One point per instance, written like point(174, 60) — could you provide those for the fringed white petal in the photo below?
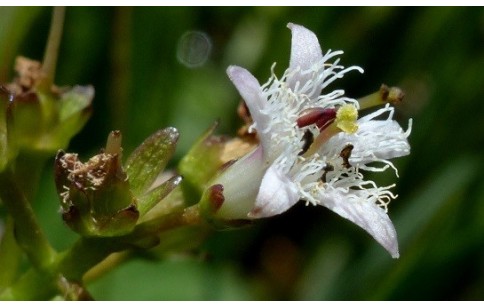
point(251, 91)
point(305, 53)
point(380, 139)
point(276, 195)
point(375, 140)
point(365, 214)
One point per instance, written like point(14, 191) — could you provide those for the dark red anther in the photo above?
point(318, 116)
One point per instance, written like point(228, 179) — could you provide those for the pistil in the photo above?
point(385, 95)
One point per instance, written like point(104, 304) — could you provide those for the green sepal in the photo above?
point(150, 159)
point(40, 122)
point(200, 164)
point(147, 201)
point(75, 110)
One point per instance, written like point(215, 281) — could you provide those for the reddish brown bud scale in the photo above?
point(216, 196)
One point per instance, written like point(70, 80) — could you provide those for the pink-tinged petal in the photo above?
point(276, 195)
point(305, 52)
point(365, 214)
point(250, 90)
point(241, 182)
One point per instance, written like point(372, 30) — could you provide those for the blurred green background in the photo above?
point(158, 67)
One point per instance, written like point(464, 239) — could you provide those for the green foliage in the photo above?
point(434, 54)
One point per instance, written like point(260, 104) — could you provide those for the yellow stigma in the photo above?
point(346, 117)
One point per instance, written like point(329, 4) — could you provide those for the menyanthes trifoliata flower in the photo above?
point(313, 146)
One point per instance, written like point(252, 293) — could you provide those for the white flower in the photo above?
point(312, 145)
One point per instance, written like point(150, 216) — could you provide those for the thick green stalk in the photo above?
point(28, 170)
point(10, 256)
point(33, 285)
point(28, 233)
point(67, 269)
point(70, 267)
point(85, 254)
point(105, 266)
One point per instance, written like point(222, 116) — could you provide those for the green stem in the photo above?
point(121, 72)
point(70, 267)
point(28, 233)
point(28, 169)
point(105, 266)
point(33, 285)
point(10, 256)
point(85, 254)
point(179, 218)
point(66, 272)
point(52, 48)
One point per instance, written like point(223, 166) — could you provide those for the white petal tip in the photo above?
point(233, 69)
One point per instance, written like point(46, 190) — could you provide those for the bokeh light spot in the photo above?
point(194, 48)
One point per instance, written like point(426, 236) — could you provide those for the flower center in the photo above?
point(329, 121)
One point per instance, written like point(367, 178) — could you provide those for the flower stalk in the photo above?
point(10, 255)
point(29, 235)
point(52, 49)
